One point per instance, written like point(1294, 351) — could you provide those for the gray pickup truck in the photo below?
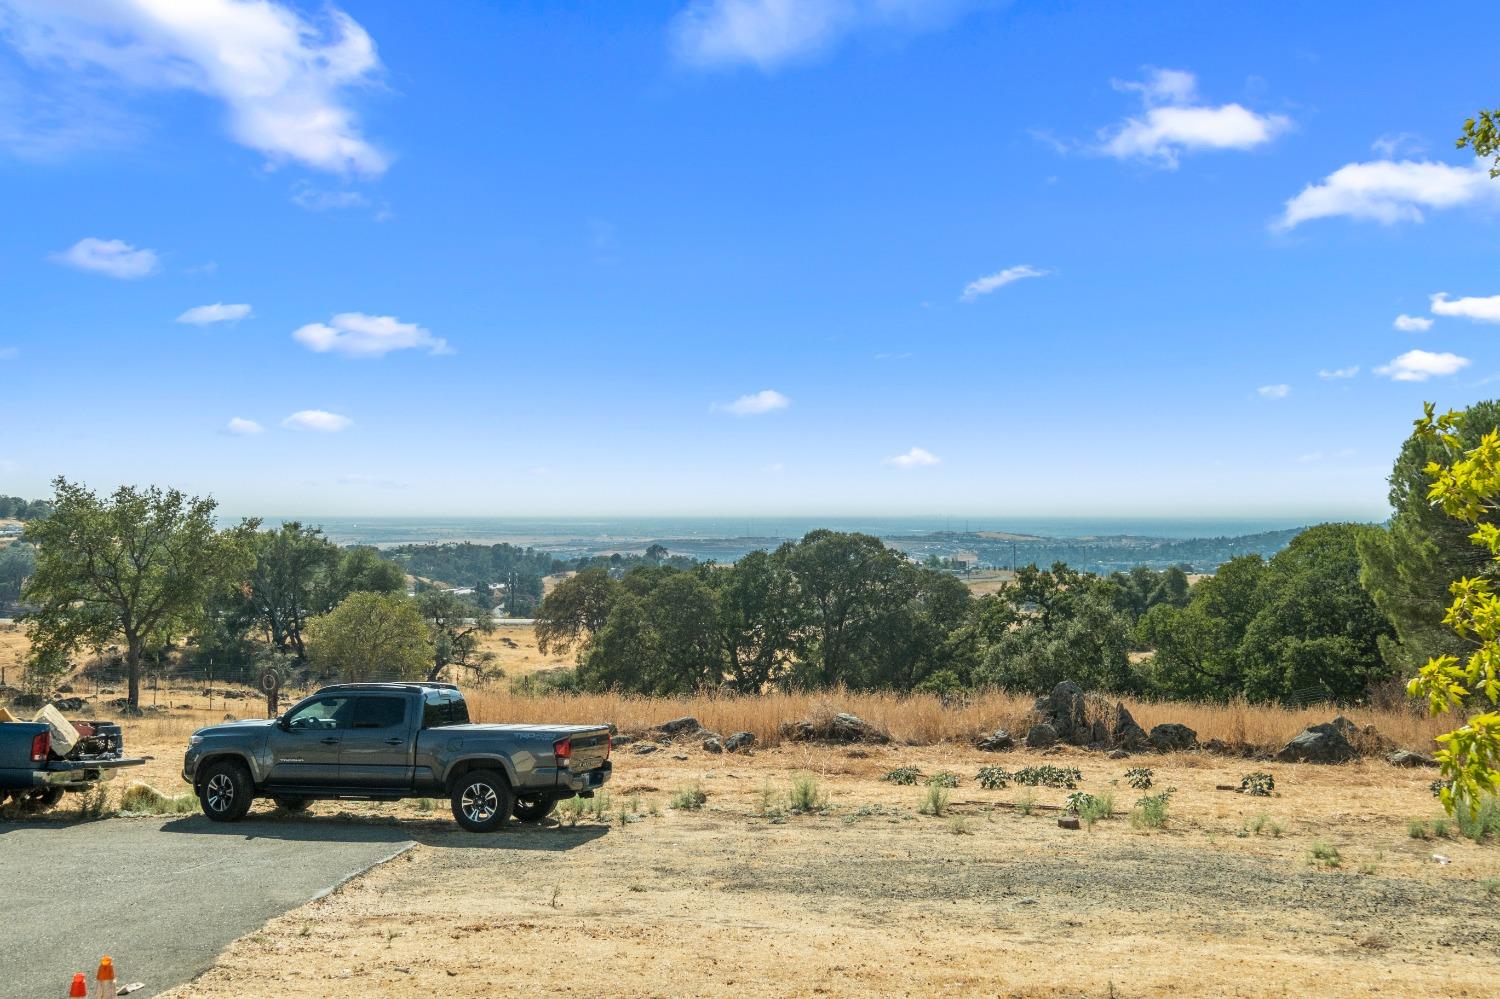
point(36, 775)
point(387, 741)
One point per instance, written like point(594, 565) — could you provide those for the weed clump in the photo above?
point(1049, 776)
point(903, 776)
point(1140, 778)
point(143, 799)
point(689, 799)
point(934, 802)
point(807, 795)
point(1091, 808)
point(1263, 825)
point(1258, 785)
point(993, 778)
point(1328, 856)
point(1481, 823)
point(1150, 812)
point(943, 779)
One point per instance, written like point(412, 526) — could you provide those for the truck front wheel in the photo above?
point(226, 791)
point(481, 801)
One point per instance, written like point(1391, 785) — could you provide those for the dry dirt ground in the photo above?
point(869, 897)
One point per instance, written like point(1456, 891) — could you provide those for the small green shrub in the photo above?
point(935, 801)
point(573, 810)
point(903, 775)
point(689, 799)
point(1049, 776)
point(1026, 802)
point(1416, 829)
point(93, 803)
point(1491, 887)
point(1436, 787)
point(1258, 785)
point(959, 826)
point(425, 804)
point(1150, 812)
point(1441, 829)
point(1091, 808)
point(943, 779)
point(143, 799)
point(1263, 825)
point(1140, 778)
point(807, 795)
point(1479, 825)
point(1328, 856)
point(993, 778)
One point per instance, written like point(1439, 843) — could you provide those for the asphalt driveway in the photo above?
point(160, 896)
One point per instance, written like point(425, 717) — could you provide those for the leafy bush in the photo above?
point(1140, 778)
point(143, 799)
point(935, 801)
point(1049, 776)
point(943, 779)
point(1091, 808)
point(1416, 829)
point(903, 775)
point(1258, 784)
point(1328, 856)
point(1479, 825)
point(689, 799)
point(807, 795)
point(1150, 812)
point(993, 778)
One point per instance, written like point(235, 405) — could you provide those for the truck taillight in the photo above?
point(563, 749)
point(41, 745)
point(609, 743)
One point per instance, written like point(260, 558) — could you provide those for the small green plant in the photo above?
point(903, 775)
point(1441, 829)
point(143, 799)
point(1026, 802)
point(1491, 887)
point(425, 804)
point(689, 799)
point(1481, 824)
point(1436, 787)
point(1416, 829)
point(1049, 776)
point(624, 814)
point(1263, 825)
point(94, 802)
point(943, 779)
point(993, 778)
point(768, 807)
point(1090, 808)
point(1328, 856)
point(935, 801)
point(806, 795)
point(600, 806)
point(1258, 785)
point(1140, 778)
point(1150, 812)
point(959, 826)
point(573, 810)
point(1368, 870)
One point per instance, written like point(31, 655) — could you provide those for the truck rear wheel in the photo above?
point(534, 807)
point(38, 799)
point(481, 800)
point(226, 791)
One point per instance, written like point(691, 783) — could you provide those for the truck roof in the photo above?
point(414, 686)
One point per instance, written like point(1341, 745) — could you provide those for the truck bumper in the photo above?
point(588, 780)
point(76, 775)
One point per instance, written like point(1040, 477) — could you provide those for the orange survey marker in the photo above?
point(80, 986)
point(104, 979)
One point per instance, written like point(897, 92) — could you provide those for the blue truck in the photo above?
point(34, 775)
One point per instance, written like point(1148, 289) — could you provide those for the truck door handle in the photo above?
point(330, 742)
point(394, 742)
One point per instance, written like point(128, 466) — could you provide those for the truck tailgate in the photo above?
point(590, 750)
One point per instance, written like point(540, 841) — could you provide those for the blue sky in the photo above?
point(740, 256)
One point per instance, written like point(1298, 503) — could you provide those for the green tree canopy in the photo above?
point(137, 565)
point(576, 609)
point(454, 626)
point(371, 636)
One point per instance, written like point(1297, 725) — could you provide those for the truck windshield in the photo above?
point(440, 711)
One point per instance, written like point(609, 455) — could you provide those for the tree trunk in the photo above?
point(133, 646)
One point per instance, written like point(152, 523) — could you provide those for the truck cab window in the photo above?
point(321, 715)
point(379, 712)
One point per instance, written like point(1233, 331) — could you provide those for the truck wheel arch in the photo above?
point(498, 764)
point(209, 761)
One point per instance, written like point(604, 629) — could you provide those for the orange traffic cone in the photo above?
point(104, 979)
point(80, 986)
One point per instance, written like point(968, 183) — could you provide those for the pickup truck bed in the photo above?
point(36, 775)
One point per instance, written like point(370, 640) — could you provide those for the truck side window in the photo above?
point(321, 715)
point(439, 711)
point(379, 712)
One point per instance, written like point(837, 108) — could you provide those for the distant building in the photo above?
point(462, 591)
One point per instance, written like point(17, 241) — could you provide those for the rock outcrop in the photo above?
point(1325, 743)
point(1172, 737)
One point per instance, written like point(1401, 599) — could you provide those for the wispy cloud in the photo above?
point(999, 279)
point(114, 257)
point(238, 426)
point(1412, 324)
point(318, 420)
point(1420, 365)
point(915, 458)
point(755, 404)
point(316, 199)
point(899, 355)
point(355, 334)
point(767, 33)
point(1398, 144)
point(283, 79)
point(1348, 372)
point(1174, 121)
point(1480, 310)
point(207, 315)
point(1274, 391)
point(1390, 191)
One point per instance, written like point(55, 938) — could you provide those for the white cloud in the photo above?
point(915, 458)
point(1173, 123)
point(766, 33)
point(764, 401)
point(207, 315)
point(1412, 324)
point(1348, 372)
point(1420, 365)
point(1390, 191)
point(1274, 391)
point(999, 279)
point(1481, 310)
point(355, 334)
point(1398, 144)
point(114, 257)
point(282, 79)
point(317, 419)
point(240, 427)
point(318, 200)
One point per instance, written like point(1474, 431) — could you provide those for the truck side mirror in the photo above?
point(284, 723)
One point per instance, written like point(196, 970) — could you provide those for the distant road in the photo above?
point(160, 896)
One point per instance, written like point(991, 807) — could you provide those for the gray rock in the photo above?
point(1068, 822)
point(739, 742)
point(1118, 754)
point(1323, 743)
point(70, 704)
point(1410, 758)
point(65, 688)
point(842, 728)
point(678, 726)
point(24, 700)
point(1126, 734)
point(642, 748)
point(1041, 736)
point(1172, 737)
point(996, 742)
point(713, 744)
point(1066, 710)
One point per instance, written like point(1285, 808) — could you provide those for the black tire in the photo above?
point(481, 801)
point(533, 807)
point(226, 791)
point(38, 799)
point(292, 804)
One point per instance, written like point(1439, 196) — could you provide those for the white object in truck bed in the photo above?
point(64, 735)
